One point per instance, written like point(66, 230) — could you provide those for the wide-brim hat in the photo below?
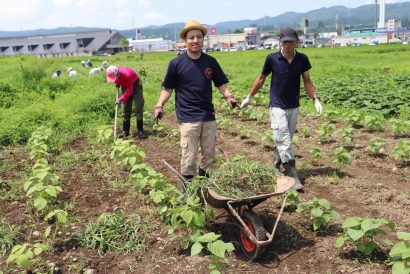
point(289, 35)
point(193, 24)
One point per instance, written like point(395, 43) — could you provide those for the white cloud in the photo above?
point(123, 2)
point(90, 3)
point(62, 3)
point(144, 3)
point(20, 9)
point(156, 17)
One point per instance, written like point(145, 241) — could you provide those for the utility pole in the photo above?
point(375, 21)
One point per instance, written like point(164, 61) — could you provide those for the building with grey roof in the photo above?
point(98, 42)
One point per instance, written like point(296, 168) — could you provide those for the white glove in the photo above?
point(318, 106)
point(246, 101)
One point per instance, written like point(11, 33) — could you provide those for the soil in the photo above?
point(375, 186)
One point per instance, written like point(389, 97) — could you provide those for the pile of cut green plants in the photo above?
point(240, 178)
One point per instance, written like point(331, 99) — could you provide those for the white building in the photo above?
point(393, 24)
point(59, 45)
point(157, 44)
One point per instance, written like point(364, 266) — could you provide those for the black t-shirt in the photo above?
point(285, 81)
point(192, 81)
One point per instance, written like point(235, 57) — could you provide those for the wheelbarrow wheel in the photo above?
point(251, 250)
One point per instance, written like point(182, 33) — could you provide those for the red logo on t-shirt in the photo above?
point(208, 73)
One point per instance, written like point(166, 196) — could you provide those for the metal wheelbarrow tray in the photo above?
point(253, 236)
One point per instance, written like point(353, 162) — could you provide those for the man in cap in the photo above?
point(191, 74)
point(132, 90)
point(286, 67)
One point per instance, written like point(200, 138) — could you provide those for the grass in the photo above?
point(30, 97)
point(115, 232)
point(240, 178)
point(8, 237)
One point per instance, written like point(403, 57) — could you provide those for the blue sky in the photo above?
point(126, 14)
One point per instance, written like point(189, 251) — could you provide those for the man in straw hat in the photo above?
point(286, 67)
point(191, 75)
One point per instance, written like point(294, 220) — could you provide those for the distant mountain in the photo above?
point(320, 20)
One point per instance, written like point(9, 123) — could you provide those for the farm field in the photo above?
point(108, 213)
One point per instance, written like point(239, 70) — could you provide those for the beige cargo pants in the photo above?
point(194, 136)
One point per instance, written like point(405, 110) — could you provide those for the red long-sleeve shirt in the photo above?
point(126, 79)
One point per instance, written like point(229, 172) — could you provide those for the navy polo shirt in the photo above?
point(192, 81)
point(285, 82)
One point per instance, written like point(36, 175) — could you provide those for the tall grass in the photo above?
point(30, 98)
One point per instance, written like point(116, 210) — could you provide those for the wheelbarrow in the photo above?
point(253, 236)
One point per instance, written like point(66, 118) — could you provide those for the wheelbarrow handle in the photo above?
point(249, 233)
point(182, 178)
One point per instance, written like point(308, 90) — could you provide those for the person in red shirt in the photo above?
point(132, 90)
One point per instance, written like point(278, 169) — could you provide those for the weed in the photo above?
point(8, 237)
point(115, 232)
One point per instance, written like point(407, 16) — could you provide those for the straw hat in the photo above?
point(193, 24)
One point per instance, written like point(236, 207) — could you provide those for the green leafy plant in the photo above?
point(216, 247)
point(376, 146)
point(355, 118)
point(244, 131)
point(332, 114)
point(325, 132)
point(26, 255)
point(321, 211)
point(293, 200)
point(37, 144)
point(348, 136)
point(360, 233)
point(306, 132)
point(317, 153)
point(127, 153)
point(374, 123)
point(142, 174)
point(43, 184)
point(59, 218)
point(399, 255)
point(400, 128)
point(268, 137)
point(402, 151)
point(105, 134)
point(341, 157)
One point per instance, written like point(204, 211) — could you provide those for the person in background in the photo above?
point(95, 71)
point(287, 66)
point(132, 90)
point(71, 72)
point(56, 74)
point(191, 74)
